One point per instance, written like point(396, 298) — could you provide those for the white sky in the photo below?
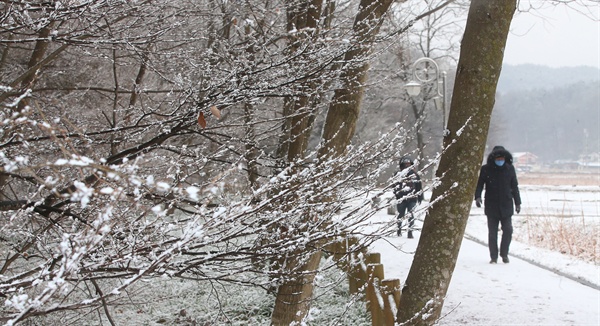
point(555, 36)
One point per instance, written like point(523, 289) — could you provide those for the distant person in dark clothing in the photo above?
point(408, 193)
point(499, 178)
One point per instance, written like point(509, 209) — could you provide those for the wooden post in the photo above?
point(347, 251)
point(347, 255)
point(375, 275)
point(373, 258)
point(339, 252)
point(358, 272)
point(390, 291)
point(353, 265)
point(357, 275)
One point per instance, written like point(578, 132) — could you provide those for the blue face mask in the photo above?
point(499, 162)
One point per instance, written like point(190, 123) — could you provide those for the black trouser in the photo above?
point(507, 231)
point(403, 208)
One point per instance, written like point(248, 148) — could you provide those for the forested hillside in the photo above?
point(529, 77)
point(551, 112)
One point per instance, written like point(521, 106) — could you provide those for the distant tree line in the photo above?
point(555, 117)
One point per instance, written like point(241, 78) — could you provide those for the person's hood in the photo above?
point(499, 151)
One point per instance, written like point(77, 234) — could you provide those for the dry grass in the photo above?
point(563, 231)
point(571, 236)
point(560, 179)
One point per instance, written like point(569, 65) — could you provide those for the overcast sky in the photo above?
point(554, 36)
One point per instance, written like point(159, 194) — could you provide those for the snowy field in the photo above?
point(539, 286)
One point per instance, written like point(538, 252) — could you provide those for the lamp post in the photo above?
point(422, 75)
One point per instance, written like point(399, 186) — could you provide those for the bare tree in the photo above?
point(168, 139)
point(294, 296)
point(130, 153)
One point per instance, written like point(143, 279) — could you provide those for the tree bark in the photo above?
point(303, 18)
point(295, 294)
point(344, 110)
point(39, 51)
point(472, 103)
point(251, 154)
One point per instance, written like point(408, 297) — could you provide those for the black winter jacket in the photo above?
point(409, 188)
point(501, 186)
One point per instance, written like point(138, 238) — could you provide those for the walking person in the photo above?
point(499, 179)
point(409, 193)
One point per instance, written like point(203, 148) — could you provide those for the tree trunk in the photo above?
point(38, 53)
point(251, 153)
point(344, 110)
point(294, 295)
point(303, 17)
point(472, 103)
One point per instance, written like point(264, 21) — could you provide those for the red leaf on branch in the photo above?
point(201, 120)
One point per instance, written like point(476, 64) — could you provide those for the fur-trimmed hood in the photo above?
point(498, 151)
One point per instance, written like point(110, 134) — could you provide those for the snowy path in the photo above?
point(553, 269)
point(517, 293)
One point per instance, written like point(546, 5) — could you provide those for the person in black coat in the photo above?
point(499, 178)
point(408, 192)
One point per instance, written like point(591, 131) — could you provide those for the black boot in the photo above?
point(410, 236)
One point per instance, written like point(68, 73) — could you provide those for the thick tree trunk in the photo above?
point(344, 110)
point(295, 294)
point(303, 17)
point(472, 103)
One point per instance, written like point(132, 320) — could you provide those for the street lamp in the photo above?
point(422, 74)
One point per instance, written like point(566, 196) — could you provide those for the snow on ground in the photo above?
point(537, 287)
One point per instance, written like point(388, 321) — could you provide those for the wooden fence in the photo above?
point(366, 278)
